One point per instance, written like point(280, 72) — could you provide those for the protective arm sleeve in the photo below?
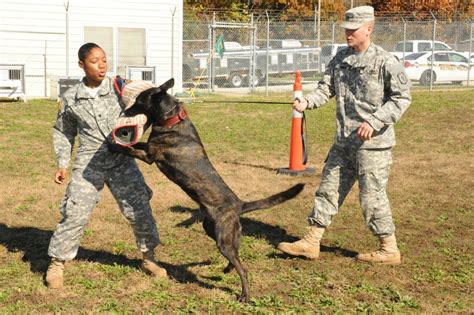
point(397, 96)
point(64, 133)
point(325, 89)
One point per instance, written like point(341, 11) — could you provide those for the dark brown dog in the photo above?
point(174, 145)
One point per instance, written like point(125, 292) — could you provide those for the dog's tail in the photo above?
point(272, 200)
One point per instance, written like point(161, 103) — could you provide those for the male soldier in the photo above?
point(91, 109)
point(372, 93)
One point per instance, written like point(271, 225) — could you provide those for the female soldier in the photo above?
point(90, 109)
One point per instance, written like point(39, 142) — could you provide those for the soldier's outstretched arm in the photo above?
point(325, 89)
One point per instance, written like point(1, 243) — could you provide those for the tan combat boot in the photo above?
point(308, 246)
point(387, 254)
point(54, 275)
point(150, 267)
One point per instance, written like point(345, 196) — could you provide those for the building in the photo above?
point(40, 39)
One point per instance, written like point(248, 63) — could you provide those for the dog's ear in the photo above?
point(154, 91)
point(167, 85)
point(145, 96)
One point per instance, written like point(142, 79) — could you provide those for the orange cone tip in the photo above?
point(297, 86)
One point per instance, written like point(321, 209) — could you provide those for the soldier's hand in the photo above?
point(60, 176)
point(365, 131)
point(300, 104)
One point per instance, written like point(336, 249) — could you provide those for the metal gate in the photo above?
point(239, 70)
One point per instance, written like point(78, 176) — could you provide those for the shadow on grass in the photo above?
point(251, 227)
point(34, 242)
point(264, 167)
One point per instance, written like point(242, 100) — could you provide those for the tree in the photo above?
point(330, 9)
point(287, 9)
point(422, 8)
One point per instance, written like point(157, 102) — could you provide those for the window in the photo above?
point(408, 47)
point(457, 58)
point(441, 57)
point(424, 46)
point(131, 47)
point(439, 46)
point(104, 37)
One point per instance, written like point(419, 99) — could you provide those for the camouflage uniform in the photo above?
point(93, 119)
point(371, 87)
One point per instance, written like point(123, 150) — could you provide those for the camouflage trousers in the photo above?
point(343, 167)
point(129, 189)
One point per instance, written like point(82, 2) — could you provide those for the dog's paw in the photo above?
point(229, 268)
point(243, 298)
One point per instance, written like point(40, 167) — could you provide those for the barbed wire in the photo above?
point(273, 14)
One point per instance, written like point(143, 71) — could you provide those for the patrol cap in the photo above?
point(358, 16)
point(131, 91)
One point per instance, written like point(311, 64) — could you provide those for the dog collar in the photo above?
point(176, 119)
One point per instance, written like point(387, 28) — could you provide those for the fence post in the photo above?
point(209, 59)
point(66, 7)
point(319, 23)
point(432, 50)
point(333, 31)
point(45, 56)
point(268, 53)
point(456, 27)
point(469, 66)
point(315, 19)
point(213, 37)
point(172, 42)
point(253, 62)
point(404, 38)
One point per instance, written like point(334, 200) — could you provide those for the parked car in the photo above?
point(413, 46)
point(448, 66)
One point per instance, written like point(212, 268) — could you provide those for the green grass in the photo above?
point(430, 191)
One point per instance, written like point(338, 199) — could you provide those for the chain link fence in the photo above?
point(262, 53)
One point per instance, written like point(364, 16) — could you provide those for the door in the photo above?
point(442, 67)
point(460, 66)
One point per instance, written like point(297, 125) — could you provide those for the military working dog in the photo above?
point(174, 145)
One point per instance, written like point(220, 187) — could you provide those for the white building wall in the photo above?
point(33, 33)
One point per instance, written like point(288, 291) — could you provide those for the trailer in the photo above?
point(234, 66)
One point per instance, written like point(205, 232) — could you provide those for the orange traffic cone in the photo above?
point(297, 145)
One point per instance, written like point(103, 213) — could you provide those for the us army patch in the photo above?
point(402, 78)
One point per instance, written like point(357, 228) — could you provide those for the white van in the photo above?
point(413, 46)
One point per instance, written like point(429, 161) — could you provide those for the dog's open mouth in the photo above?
point(128, 130)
